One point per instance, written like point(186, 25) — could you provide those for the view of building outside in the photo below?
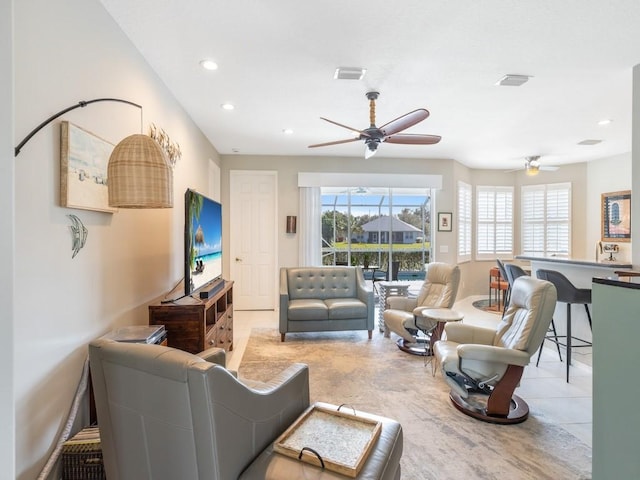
point(371, 227)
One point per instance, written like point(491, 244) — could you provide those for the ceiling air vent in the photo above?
point(513, 80)
point(589, 142)
point(349, 73)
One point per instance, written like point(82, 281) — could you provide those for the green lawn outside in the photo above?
point(378, 247)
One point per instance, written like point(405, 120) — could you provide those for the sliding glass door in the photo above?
point(373, 227)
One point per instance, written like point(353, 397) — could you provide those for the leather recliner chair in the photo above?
point(484, 366)
point(403, 316)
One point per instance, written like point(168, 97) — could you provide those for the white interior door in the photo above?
point(253, 238)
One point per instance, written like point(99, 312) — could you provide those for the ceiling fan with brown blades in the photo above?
point(532, 166)
point(389, 132)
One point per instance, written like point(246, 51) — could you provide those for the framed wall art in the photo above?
point(83, 169)
point(444, 221)
point(616, 216)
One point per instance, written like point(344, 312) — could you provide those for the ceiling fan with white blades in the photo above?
point(389, 132)
point(532, 166)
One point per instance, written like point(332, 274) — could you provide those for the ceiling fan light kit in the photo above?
point(389, 132)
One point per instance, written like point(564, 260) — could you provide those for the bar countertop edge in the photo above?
point(616, 283)
point(569, 261)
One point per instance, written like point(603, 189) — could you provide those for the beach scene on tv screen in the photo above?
point(207, 244)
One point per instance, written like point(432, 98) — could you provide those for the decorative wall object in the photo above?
point(172, 149)
point(444, 221)
point(79, 232)
point(83, 169)
point(616, 216)
point(140, 175)
point(292, 220)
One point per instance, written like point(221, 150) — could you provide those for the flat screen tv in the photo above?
point(202, 241)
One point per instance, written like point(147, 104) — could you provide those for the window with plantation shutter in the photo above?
point(546, 220)
point(494, 222)
point(464, 222)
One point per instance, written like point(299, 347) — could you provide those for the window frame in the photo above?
point(494, 225)
point(554, 220)
point(464, 222)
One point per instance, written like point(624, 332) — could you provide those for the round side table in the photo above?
point(441, 316)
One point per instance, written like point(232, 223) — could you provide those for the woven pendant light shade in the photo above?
point(139, 175)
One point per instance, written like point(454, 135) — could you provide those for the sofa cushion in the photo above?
point(308, 309)
point(321, 282)
point(346, 308)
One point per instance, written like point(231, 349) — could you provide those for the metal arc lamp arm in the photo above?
point(81, 103)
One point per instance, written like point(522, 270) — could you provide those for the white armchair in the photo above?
point(484, 366)
point(403, 315)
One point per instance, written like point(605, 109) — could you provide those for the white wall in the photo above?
point(635, 161)
point(474, 275)
point(7, 410)
point(288, 168)
point(67, 51)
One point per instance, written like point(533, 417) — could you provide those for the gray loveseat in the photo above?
point(317, 299)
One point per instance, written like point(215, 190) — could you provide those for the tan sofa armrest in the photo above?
point(459, 332)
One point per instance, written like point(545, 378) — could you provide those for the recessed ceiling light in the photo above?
point(511, 80)
point(589, 142)
point(287, 131)
point(208, 64)
point(227, 106)
point(349, 73)
point(604, 121)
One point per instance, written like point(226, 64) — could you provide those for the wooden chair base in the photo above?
point(475, 406)
point(420, 347)
point(500, 405)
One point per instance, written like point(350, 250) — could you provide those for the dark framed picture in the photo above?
point(444, 221)
point(616, 216)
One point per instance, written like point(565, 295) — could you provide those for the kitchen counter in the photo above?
point(581, 273)
point(570, 261)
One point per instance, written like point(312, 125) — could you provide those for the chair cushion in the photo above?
point(345, 308)
point(308, 309)
point(321, 282)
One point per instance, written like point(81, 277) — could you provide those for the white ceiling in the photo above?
point(277, 59)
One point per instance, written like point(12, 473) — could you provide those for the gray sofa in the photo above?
point(317, 299)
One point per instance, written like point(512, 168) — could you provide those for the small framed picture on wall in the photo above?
point(444, 221)
point(616, 216)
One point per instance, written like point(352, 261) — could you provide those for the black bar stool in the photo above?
point(569, 294)
point(514, 271)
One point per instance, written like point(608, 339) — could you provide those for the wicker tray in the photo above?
point(332, 439)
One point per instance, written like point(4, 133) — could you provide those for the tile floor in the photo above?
point(545, 389)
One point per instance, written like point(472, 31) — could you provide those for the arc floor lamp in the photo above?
point(139, 175)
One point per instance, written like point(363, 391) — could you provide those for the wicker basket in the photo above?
point(82, 456)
